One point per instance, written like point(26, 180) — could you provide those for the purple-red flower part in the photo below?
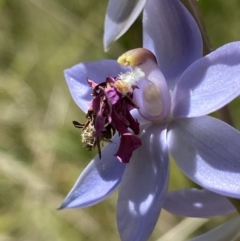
point(111, 107)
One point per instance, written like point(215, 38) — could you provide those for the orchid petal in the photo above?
point(207, 151)
point(99, 179)
point(227, 231)
point(97, 71)
point(208, 84)
point(119, 17)
point(144, 186)
point(197, 203)
point(172, 34)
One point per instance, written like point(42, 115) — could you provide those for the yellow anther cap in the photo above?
point(136, 57)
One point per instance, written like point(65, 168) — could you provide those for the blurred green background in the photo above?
point(41, 154)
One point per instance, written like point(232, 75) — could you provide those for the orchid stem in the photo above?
point(225, 112)
point(226, 115)
point(236, 203)
point(193, 8)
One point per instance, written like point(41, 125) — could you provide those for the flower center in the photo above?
point(153, 98)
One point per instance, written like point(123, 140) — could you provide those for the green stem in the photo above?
point(225, 112)
point(236, 203)
point(192, 7)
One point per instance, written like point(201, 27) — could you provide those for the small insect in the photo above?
point(88, 136)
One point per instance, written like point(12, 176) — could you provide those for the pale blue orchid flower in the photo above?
point(174, 98)
point(119, 17)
